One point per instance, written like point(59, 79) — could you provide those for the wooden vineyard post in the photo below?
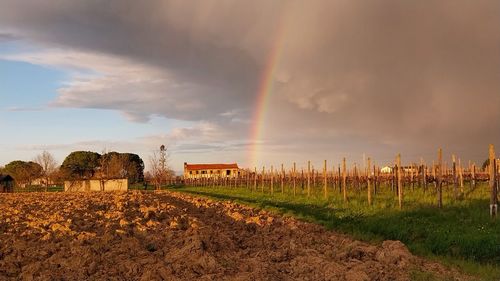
point(393, 180)
point(421, 172)
point(302, 180)
point(473, 176)
point(497, 164)
point(355, 178)
point(313, 179)
point(255, 179)
point(434, 174)
point(262, 179)
point(334, 182)
point(325, 184)
point(344, 180)
point(339, 181)
point(294, 176)
point(439, 179)
point(375, 180)
point(247, 180)
point(493, 183)
point(400, 186)
point(282, 178)
point(455, 178)
point(308, 178)
point(412, 183)
point(461, 177)
point(368, 179)
point(426, 170)
point(272, 180)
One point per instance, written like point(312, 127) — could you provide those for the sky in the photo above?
point(258, 82)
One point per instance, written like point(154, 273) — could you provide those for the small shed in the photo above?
point(6, 183)
point(96, 185)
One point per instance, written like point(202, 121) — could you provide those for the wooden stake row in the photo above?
point(372, 177)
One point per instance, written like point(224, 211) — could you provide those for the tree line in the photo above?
point(78, 165)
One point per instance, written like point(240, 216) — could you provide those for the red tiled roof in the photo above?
point(210, 166)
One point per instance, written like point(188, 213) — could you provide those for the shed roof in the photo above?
point(6, 178)
point(210, 166)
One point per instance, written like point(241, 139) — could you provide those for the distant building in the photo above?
point(194, 171)
point(6, 183)
point(405, 169)
point(96, 185)
point(386, 170)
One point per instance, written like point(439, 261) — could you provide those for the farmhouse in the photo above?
point(6, 183)
point(194, 171)
point(386, 170)
point(405, 169)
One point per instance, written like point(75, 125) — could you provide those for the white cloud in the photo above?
point(110, 82)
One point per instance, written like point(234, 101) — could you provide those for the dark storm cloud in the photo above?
point(7, 37)
point(412, 74)
point(201, 45)
point(389, 73)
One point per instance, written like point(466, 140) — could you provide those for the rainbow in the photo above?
point(265, 91)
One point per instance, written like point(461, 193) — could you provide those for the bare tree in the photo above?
point(49, 166)
point(159, 167)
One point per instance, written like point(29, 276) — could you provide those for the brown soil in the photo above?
point(168, 236)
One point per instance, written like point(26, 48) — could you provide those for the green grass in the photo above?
point(417, 275)
point(460, 234)
point(36, 188)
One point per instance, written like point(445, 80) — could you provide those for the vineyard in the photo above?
point(445, 211)
point(369, 179)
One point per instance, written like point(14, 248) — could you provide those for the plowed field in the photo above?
point(169, 236)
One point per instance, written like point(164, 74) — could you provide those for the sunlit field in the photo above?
point(461, 233)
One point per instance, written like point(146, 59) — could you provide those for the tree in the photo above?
point(134, 167)
point(102, 172)
point(81, 165)
point(48, 164)
point(159, 169)
point(123, 165)
point(24, 172)
point(109, 165)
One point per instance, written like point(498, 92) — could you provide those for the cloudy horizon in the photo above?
point(345, 79)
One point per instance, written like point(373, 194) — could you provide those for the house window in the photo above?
point(197, 172)
point(211, 172)
point(203, 172)
point(190, 172)
point(228, 172)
